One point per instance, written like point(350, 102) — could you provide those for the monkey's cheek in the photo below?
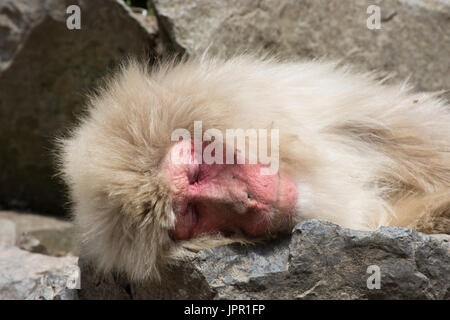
point(182, 230)
point(287, 204)
point(185, 224)
point(288, 194)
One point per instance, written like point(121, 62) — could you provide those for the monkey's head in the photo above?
point(140, 198)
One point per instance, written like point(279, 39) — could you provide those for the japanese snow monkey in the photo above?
point(349, 149)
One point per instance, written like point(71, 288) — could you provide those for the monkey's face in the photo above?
point(226, 198)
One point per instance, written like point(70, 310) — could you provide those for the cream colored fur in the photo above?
point(364, 154)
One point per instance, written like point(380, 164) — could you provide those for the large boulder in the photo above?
point(46, 70)
point(319, 261)
point(414, 38)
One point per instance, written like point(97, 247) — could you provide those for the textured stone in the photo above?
point(414, 39)
point(61, 285)
point(46, 70)
point(319, 261)
point(25, 275)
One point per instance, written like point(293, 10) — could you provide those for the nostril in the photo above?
point(249, 196)
point(193, 174)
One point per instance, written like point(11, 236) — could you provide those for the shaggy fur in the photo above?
point(364, 154)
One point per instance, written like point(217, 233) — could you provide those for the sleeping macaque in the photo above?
point(153, 171)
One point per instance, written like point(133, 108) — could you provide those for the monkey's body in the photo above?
point(361, 153)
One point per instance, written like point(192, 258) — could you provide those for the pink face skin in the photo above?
point(226, 197)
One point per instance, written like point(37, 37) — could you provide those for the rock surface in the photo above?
point(25, 275)
point(46, 70)
point(413, 40)
point(40, 234)
point(319, 261)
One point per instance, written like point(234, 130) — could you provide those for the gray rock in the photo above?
point(57, 286)
point(25, 275)
point(31, 244)
point(46, 70)
point(41, 234)
point(413, 40)
point(56, 242)
point(7, 233)
point(319, 261)
point(105, 286)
